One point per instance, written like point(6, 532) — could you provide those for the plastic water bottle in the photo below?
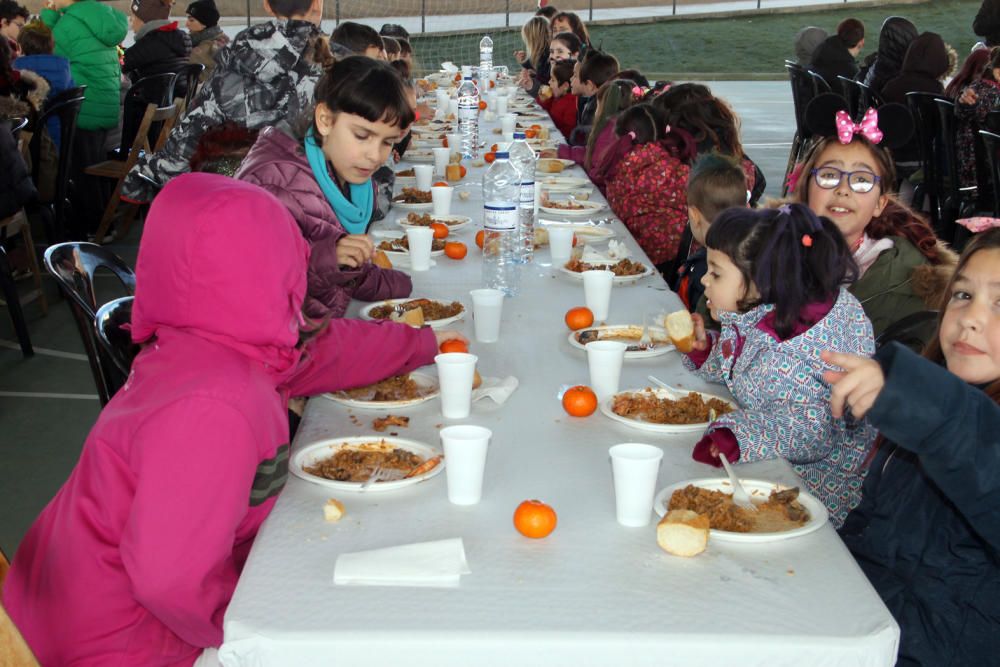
point(468, 117)
point(523, 159)
point(500, 221)
point(485, 57)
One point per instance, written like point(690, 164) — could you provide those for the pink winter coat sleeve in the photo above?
point(354, 353)
point(194, 462)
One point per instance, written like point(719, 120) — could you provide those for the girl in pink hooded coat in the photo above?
point(136, 558)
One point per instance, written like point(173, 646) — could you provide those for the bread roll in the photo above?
point(680, 328)
point(333, 510)
point(381, 260)
point(683, 533)
point(477, 380)
point(413, 317)
point(551, 166)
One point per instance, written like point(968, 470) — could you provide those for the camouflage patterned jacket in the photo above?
point(266, 77)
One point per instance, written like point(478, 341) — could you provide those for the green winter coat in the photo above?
point(886, 290)
point(87, 33)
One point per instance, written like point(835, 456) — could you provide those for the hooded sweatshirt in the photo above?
point(136, 558)
point(925, 63)
point(266, 77)
point(893, 41)
point(807, 41)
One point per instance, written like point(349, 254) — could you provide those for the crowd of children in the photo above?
point(790, 303)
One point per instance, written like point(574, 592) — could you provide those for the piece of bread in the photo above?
point(381, 260)
point(551, 166)
point(414, 317)
point(680, 328)
point(683, 533)
point(333, 510)
point(477, 380)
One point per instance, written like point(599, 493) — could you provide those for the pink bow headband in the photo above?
point(868, 127)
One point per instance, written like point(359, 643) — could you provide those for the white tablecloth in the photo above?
point(593, 592)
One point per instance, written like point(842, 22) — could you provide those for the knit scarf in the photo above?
point(207, 34)
point(352, 217)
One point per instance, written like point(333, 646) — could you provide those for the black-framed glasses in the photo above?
point(860, 181)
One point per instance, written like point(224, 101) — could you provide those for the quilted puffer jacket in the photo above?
point(160, 48)
point(893, 41)
point(278, 164)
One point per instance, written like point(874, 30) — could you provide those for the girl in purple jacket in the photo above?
point(325, 180)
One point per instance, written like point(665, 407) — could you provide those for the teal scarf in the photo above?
point(353, 217)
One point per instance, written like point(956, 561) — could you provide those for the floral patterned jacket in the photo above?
point(972, 118)
point(784, 404)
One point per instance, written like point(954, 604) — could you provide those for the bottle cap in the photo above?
point(519, 135)
point(503, 155)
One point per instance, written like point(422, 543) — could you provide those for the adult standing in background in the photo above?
point(206, 35)
point(835, 56)
point(807, 41)
point(987, 22)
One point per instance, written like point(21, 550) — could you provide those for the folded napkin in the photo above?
point(429, 564)
point(616, 251)
point(449, 67)
point(497, 389)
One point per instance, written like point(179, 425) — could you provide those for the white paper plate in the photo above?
point(650, 427)
point(590, 233)
point(655, 332)
point(589, 208)
point(428, 383)
point(402, 206)
point(402, 255)
point(454, 222)
point(433, 323)
point(617, 280)
point(756, 488)
point(310, 454)
point(554, 183)
point(565, 163)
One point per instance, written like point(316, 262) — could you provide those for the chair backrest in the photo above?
point(851, 93)
point(157, 90)
point(959, 201)
point(18, 124)
point(116, 340)
point(991, 144)
point(819, 82)
point(923, 108)
point(66, 107)
point(190, 75)
point(803, 91)
point(74, 266)
point(914, 331)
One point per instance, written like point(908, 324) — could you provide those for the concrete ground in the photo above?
point(48, 402)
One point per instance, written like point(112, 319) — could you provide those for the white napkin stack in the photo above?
point(497, 389)
point(437, 564)
point(616, 251)
point(449, 67)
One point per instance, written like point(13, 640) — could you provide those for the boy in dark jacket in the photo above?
point(266, 77)
point(160, 46)
point(836, 55)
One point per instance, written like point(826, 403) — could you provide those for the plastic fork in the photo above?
point(740, 496)
point(379, 474)
point(673, 393)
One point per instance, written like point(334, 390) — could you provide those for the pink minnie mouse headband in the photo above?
point(889, 126)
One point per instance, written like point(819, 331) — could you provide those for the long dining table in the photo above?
point(593, 592)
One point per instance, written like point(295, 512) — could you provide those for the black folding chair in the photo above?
point(991, 144)
point(923, 108)
point(803, 91)
point(186, 79)
point(914, 331)
point(111, 325)
point(959, 201)
point(9, 290)
point(66, 107)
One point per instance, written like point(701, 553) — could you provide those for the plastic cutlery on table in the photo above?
point(674, 393)
point(740, 496)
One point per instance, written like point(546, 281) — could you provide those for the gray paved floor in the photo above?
point(41, 435)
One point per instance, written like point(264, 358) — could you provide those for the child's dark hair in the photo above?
point(576, 25)
point(356, 37)
point(711, 122)
point(394, 30)
point(36, 39)
point(563, 71)
point(598, 68)
point(851, 31)
point(403, 68)
point(289, 8)
point(716, 182)
point(405, 48)
point(391, 47)
point(679, 94)
point(548, 11)
point(571, 41)
point(641, 120)
point(635, 76)
point(368, 88)
point(791, 256)
point(10, 10)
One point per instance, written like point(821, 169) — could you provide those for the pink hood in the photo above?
point(248, 289)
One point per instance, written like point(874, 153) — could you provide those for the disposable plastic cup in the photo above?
point(511, 91)
point(465, 448)
point(561, 244)
point(487, 308)
point(501, 105)
point(597, 292)
point(441, 197)
point(491, 101)
point(441, 156)
point(420, 240)
point(466, 71)
point(455, 373)
point(507, 123)
point(605, 357)
point(424, 174)
point(453, 107)
point(454, 143)
point(442, 99)
point(635, 467)
point(508, 138)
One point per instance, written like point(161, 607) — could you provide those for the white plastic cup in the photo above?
point(635, 467)
point(605, 358)
point(465, 447)
point(442, 99)
point(491, 100)
point(420, 240)
point(511, 92)
point(501, 105)
point(487, 308)
point(508, 138)
point(453, 107)
point(597, 292)
point(466, 71)
point(454, 143)
point(560, 244)
point(441, 197)
point(424, 174)
point(507, 123)
point(441, 156)
point(456, 371)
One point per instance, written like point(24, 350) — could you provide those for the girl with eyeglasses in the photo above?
point(852, 183)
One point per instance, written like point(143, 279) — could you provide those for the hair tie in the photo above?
point(807, 240)
point(868, 127)
point(631, 134)
point(785, 208)
point(416, 115)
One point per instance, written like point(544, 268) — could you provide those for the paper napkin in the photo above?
point(497, 389)
point(429, 564)
point(616, 251)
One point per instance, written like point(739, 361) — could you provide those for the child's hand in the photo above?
point(442, 336)
point(520, 55)
point(700, 337)
point(968, 97)
point(354, 250)
point(856, 387)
